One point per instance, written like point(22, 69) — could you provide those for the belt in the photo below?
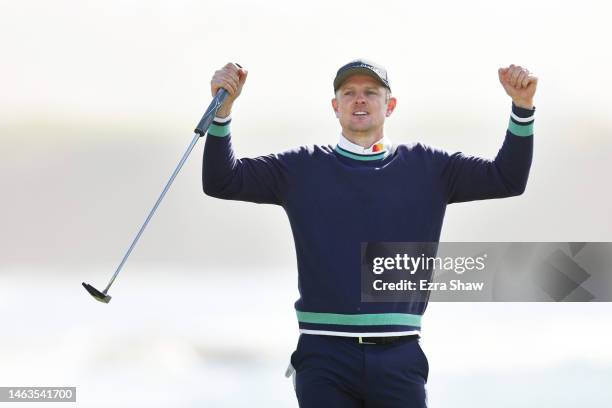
point(385, 340)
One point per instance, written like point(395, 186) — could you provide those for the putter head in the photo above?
point(99, 296)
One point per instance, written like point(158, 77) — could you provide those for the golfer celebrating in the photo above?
point(364, 188)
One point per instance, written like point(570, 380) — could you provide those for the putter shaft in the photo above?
point(200, 131)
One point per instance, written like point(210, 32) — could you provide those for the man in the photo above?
point(365, 188)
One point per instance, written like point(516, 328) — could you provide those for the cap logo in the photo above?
point(378, 71)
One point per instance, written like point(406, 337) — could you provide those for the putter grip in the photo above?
point(210, 113)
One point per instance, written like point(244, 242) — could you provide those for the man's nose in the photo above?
point(360, 99)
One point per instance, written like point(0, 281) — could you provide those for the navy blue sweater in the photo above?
point(335, 202)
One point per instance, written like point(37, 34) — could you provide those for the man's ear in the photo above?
point(335, 106)
point(391, 106)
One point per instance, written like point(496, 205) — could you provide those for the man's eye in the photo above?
point(348, 93)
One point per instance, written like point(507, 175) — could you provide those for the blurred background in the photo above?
point(98, 100)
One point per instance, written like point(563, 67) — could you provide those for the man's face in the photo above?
point(361, 104)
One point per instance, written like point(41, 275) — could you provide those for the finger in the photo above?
point(509, 74)
point(503, 74)
point(222, 82)
point(227, 79)
point(509, 71)
point(233, 81)
point(229, 87)
point(230, 67)
point(232, 70)
point(215, 86)
point(526, 80)
point(217, 76)
point(520, 78)
point(242, 73)
point(531, 79)
point(515, 72)
point(215, 83)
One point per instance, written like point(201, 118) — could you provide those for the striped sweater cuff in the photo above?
point(220, 127)
point(521, 121)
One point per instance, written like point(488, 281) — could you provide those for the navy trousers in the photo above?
point(332, 371)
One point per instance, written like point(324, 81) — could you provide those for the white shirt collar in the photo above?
point(381, 148)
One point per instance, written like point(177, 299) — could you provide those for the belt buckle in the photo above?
point(364, 342)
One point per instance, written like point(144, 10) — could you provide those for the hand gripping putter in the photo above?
point(200, 131)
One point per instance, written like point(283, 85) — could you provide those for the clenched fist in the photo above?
point(231, 78)
point(519, 84)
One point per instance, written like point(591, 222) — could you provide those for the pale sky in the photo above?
point(132, 59)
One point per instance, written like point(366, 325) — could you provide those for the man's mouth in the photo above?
point(360, 113)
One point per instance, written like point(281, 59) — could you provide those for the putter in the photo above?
point(200, 131)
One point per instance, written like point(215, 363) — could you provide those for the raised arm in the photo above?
point(261, 179)
point(474, 178)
